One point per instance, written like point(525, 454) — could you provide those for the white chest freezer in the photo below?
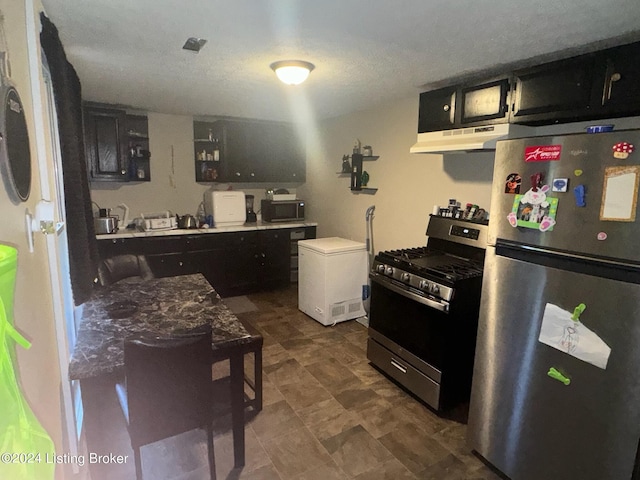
point(331, 274)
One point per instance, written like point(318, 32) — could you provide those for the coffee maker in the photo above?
point(251, 215)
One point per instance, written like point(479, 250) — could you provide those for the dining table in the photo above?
point(169, 305)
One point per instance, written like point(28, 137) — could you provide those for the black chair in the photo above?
point(168, 389)
point(118, 267)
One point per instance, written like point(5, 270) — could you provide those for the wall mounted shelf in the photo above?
point(356, 173)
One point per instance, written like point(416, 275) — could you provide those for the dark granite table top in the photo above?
point(161, 305)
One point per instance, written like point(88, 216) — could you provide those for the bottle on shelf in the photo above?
point(216, 151)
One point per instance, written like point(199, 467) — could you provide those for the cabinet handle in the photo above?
point(400, 367)
point(237, 174)
point(611, 77)
point(253, 174)
point(180, 263)
point(446, 108)
point(452, 111)
point(123, 171)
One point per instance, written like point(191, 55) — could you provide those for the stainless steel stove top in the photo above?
point(454, 253)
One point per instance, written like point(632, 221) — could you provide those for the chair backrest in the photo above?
point(168, 384)
point(118, 267)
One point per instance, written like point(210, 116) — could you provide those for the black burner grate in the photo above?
point(433, 263)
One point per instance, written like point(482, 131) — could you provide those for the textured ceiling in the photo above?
point(365, 51)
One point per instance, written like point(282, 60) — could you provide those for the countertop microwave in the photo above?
point(282, 210)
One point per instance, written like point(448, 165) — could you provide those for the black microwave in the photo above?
point(282, 210)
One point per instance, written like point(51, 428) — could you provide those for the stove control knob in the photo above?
point(434, 288)
point(423, 285)
point(405, 277)
point(388, 271)
point(380, 268)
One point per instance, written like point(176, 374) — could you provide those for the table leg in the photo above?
point(236, 366)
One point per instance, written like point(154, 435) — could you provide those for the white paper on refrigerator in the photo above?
point(559, 331)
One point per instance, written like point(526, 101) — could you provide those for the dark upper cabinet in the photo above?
point(619, 81)
point(464, 105)
point(104, 133)
point(116, 145)
point(437, 110)
point(249, 151)
point(558, 91)
point(485, 102)
point(600, 85)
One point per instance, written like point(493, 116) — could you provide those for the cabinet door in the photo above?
point(437, 110)
point(138, 154)
point(105, 147)
point(620, 91)
point(240, 264)
point(274, 258)
point(172, 264)
point(235, 153)
point(285, 157)
point(484, 103)
point(555, 91)
point(108, 248)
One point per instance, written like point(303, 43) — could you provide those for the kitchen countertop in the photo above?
point(183, 231)
point(162, 306)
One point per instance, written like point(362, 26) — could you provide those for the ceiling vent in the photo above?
point(194, 44)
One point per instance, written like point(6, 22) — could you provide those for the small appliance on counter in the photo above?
point(251, 215)
point(186, 221)
point(282, 210)
point(158, 221)
point(279, 195)
point(105, 222)
point(228, 207)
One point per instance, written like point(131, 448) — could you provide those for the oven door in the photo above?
point(419, 328)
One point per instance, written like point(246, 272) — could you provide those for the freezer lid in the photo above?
point(586, 162)
point(331, 245)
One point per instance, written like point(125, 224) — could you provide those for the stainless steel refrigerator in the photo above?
point(556, 385)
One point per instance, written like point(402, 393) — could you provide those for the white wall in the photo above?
point(408, 184)
point(38, 369)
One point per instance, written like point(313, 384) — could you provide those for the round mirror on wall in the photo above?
point(15, 155)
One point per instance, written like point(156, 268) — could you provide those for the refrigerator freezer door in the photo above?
point(583, 159)
point(529, 425)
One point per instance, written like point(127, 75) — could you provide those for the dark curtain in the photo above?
point(83, 247)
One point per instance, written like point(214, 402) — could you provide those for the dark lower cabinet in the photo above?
point(240, 264)
point(274, 257)
point(171, 264)
point(234, 263)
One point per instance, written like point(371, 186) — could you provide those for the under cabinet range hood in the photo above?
point(468, 139)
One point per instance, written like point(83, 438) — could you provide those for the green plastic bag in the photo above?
point(26, 450)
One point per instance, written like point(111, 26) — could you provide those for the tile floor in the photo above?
point(327, 415)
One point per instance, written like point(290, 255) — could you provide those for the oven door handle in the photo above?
point(441, 306)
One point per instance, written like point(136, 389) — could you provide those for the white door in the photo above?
point(47, 142)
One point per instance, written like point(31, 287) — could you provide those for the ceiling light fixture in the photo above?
point(292, 72)
point(194, 44)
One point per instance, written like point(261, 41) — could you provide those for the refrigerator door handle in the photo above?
point(519, 247)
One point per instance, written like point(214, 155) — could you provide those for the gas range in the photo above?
point(453, 254)
point(424, 311)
